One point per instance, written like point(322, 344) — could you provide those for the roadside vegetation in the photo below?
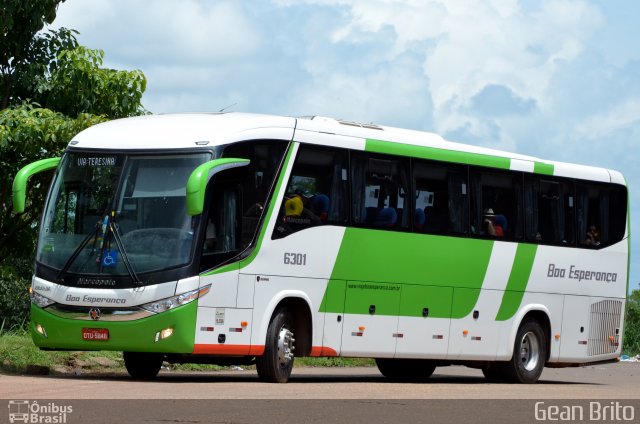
point(18, 355)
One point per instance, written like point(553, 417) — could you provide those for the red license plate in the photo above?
point(95, 334)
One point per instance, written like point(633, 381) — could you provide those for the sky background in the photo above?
point(557, 79)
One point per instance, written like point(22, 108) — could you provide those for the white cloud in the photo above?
point(623, 116)
point(161, 31)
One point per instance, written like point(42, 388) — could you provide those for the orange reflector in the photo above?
point(557, 336)
point(244, 323)
point(361, 328)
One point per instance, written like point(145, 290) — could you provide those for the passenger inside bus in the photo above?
point(593, 236)
point(494, 225)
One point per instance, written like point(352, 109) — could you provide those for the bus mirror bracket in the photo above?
point(197, 182)
point(22, 177)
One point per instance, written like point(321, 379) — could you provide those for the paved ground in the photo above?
point(610, 381)
point(327, 395)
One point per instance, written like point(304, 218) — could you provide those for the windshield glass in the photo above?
point(141, 197)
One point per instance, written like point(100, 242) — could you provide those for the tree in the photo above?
point(632, 324)
point(50, 89)
point(79, 84)
point(27, 134)
point(20, 21)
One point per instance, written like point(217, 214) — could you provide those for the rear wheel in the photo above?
point(529, 354)
point(405, 369)
point(142, 365)
point(276, 363)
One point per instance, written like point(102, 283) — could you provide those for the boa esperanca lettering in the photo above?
point(574, 273)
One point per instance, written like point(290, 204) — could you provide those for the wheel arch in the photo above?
point(538, 312)
point(300, 306)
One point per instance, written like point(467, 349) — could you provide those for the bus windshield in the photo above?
point(142, 197)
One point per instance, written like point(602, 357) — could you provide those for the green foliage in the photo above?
point(29, 133)
point(79, 84)
point(20, 20)
point(631, 342)
point(30, 80)
point(14, 301)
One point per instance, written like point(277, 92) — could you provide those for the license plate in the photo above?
point(95, 334)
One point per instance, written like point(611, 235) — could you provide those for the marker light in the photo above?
point(163, 305)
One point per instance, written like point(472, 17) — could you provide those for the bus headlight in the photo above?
point(39, 300)
point(163, 305)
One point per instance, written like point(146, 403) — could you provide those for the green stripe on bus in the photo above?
point(379, 146)
point(272, 206)
point(543, 168)
point(381, 260)
point(518, 280)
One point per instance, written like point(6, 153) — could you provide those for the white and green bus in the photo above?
point(235, 238)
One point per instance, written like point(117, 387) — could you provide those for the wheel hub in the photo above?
point(529, 351)
point(285, 346)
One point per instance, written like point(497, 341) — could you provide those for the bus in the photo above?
point(232, 238)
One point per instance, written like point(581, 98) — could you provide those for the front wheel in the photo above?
point(529, 354)
point(141, 365)
point(276, 363)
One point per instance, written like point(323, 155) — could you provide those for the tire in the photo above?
point(529, 354)
point(405, 369)
point(275, 365)
point(142, 365)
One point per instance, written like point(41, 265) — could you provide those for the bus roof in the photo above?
point(206, 130)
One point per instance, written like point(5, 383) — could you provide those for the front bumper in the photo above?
point(133, 336)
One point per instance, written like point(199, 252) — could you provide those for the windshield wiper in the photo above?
point(76, 252)
point(113, 229)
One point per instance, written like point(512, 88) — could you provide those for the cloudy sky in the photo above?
point(558, 79)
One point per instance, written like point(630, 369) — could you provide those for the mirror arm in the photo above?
point(22, 177)
point(197, 183)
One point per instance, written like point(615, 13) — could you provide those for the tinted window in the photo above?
point(496, 203)
point(316, 192)
point(601, 214)
point(379, 191)
point(236, 200)
point(441, 204)
point(550, 210)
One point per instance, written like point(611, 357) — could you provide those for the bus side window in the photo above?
point(549, 210)
point(441, 205)
point(379, 192)
point(496, 204)
point(601, 212)
point(316, 192)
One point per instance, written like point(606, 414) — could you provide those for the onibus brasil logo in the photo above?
point(25, 411)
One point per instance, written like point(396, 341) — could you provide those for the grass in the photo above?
point(18, 355)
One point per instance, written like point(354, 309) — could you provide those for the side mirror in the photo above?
point(22, 177)
point(197, 183)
